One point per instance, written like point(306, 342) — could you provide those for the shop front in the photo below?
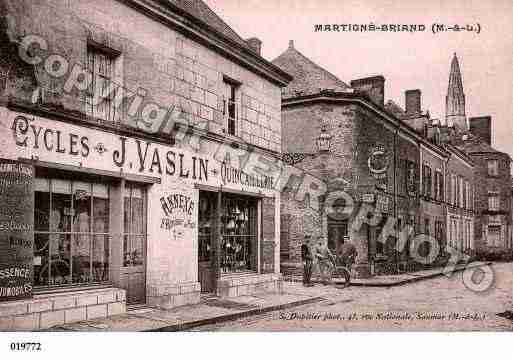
point(120, 220)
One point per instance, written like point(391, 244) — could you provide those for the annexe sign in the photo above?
point(16, 230)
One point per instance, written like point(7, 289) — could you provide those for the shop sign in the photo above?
point(382, 204)
point(177, 214)
point(137, 155)
point(378, 162)
point(16, 230)
point(239, 177)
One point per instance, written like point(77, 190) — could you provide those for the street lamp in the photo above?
point(324, 140)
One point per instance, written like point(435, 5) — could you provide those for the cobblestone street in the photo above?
point(427, 305)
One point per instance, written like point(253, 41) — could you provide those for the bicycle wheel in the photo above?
point(343, 272)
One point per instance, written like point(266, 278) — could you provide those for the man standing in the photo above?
point(307, 258)
point(323, 256)
point(347, 253)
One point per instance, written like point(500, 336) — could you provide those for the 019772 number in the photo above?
point(28, 347)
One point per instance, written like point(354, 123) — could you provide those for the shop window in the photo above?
point(239, 233)
point(71, 226)
point(100, 96)
point(134, 237)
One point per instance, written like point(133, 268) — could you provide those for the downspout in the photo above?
point(395, 198)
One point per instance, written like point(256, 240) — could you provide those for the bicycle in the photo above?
point(338, 269)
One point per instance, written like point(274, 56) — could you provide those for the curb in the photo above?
point(400, 282)
point(233, 316)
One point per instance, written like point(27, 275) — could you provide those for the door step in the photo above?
point(138, 308)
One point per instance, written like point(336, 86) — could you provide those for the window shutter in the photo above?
point(268, 235)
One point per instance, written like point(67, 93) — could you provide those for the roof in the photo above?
point(475, 145)
point(309, 78)
point(201, 11)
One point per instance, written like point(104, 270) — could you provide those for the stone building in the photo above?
point(344, 136)
point(492, 168)
point(135, 129)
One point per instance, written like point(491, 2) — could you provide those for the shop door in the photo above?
point(336, 232)
point(133, 271)
point(206, 230)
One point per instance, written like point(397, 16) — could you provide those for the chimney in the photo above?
point(374, 87)
point(482, 127)
point(412, 101)
point(255, 45)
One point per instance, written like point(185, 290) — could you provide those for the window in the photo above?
point(460, 192)
point(230, 110)
point(453, 190)
point(493, 201)
point(71, 232)
point(493, 168)
point(427, 181)
point(439, 186)
point(99, 98)
point(134, 236)
point(465, 194)
point(494, 235)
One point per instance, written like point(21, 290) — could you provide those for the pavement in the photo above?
point(214, 310)
point(438, 304)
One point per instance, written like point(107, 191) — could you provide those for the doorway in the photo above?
point(206, 230)
point(337, 230)
point(133, 269)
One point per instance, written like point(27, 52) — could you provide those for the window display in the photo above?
point(239, 236)
point(71, 241)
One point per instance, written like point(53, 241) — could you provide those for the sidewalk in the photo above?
point(213, 310)
point(398, 279)
point(210, 310)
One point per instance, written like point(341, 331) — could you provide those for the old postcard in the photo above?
point(291, 165)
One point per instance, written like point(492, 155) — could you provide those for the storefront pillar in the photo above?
point(217, 240)
point(116, 230)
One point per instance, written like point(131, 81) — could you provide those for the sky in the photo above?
point(419, 60)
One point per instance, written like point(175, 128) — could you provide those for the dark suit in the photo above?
point(306, 257)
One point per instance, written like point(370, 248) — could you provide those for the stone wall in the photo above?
point(154, 60)
point(48, 310)
point(485, 183)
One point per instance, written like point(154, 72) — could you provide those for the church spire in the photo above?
point(455, 99)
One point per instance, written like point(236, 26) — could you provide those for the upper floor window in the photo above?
point(230, 108)
point(493, 201)
point(100, 95)
point(460, 192)
point(493, 168)
point(427, 181)
point(439, 186)
point(465, 194)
